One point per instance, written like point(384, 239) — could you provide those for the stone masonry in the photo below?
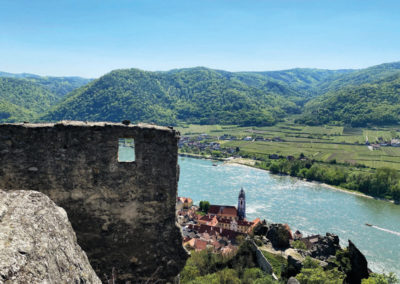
point(123, 213)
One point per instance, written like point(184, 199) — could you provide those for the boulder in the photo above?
point(325, 247)
point(37, 242)
point(293, 280)
point(293, 268)
point(359, 265)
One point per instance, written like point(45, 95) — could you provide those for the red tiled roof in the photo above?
point(206, 218)
point(229, 234)
point(229, 211)
point(222, 209)
point(244, 223)
point(224, 220)
point(200, 244)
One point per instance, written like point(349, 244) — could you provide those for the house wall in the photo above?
point(123, 213)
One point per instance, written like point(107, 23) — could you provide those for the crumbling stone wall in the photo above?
point(123, 213)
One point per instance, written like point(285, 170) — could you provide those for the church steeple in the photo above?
point(242, 205)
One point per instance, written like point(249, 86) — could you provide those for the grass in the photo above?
point(322, 143)
point(277, 262)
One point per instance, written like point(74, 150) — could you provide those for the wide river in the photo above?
point(309, 207)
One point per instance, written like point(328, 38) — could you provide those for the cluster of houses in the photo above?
point(382, 143)
point(205, 142)
point(218, 229)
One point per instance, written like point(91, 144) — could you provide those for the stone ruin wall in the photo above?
point(123, 213)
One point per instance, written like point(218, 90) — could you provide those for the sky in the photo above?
point(89, 38)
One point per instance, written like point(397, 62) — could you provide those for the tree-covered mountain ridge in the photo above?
point(207, 96)
point(194, 95)
point(26, 96)
point(376, 103)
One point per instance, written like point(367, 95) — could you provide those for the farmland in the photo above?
point(321, 143)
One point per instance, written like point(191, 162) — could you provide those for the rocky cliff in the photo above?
point(37, 242)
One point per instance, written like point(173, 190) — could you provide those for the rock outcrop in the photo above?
point(123, 211)
point(37, 242)
point(359, 265)
point(278, 234)
point(322, 247)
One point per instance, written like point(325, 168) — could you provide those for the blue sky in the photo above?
point(92, 37)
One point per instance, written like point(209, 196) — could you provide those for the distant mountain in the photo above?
point(305, 81)
point(195, 95)
point(359, 77)
point(207, 96)
point(59, 86)
point(25, 96)
point(11, 113)
point(376, 103)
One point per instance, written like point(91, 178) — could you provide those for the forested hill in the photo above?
point(207, 96)
point(376, 103)
point(26, 96)
point(60, 86)
point(195, 95)
point(21, 99)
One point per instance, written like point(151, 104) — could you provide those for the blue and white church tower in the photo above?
point(242, 205)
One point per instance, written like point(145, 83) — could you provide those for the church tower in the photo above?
point(242, 205)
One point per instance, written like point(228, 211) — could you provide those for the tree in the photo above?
point(319, 276)
point(204, 206)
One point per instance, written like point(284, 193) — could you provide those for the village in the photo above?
point(221, 228)
point(205, 142)
point(214, 227)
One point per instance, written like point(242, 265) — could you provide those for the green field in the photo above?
point(322, 143)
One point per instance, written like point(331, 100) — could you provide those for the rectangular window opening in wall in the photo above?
point(126, 150)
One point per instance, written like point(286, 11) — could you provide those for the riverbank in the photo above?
point(252, 163)
point(309, 207)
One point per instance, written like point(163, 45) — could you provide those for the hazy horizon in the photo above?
point(72, 75)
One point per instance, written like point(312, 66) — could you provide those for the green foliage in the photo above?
point(12, 113)
point(375, 278)
point(319, 276)
point(59, 86)
point(343, 261)
point(224, 276)
point(299, 245)
point(277, 262)
point(24, 97)
point(310, 263)
point(21, 95)
point(196, 95)
point(267, 279)
point(204, 206)
point(384, 182)
point(375, 103)
point(207, 267)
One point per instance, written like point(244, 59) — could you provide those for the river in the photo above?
point(309, 207)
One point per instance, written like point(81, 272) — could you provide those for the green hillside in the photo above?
point(305, 81)
point(12, 113)
point(206, 96)
point(359, 77)
point(195, 95)
point(376, 103)
point(59, 86)
point(26, 94)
